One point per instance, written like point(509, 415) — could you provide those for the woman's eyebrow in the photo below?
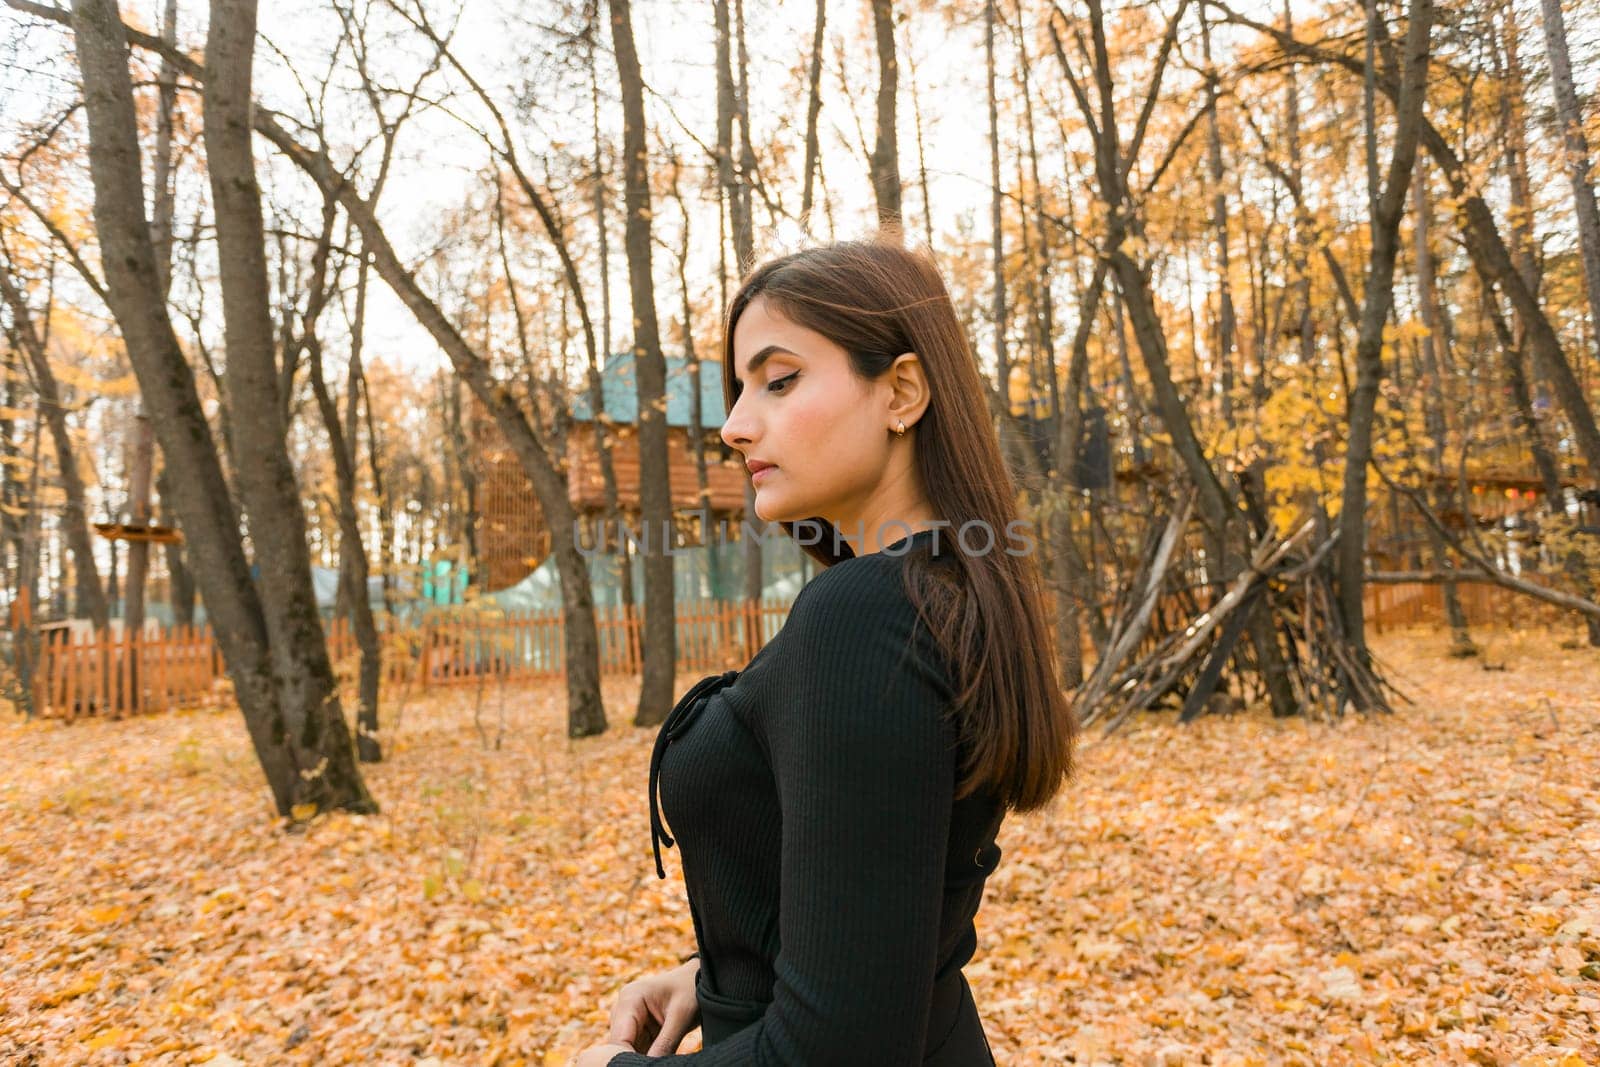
point(761, 357)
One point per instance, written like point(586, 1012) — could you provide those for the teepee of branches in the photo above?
point(1166, 643)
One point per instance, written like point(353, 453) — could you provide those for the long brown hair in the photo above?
point(877, 299)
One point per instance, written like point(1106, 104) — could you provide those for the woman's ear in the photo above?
point(908, 390)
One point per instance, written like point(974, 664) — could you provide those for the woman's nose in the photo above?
point(736, 429)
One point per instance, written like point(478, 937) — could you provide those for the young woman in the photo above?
point(837, 801)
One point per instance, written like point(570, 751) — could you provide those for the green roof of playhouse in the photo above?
point(619, 386)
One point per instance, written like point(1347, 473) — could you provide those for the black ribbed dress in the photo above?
point(832, 877)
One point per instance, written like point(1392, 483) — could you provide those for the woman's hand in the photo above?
point(600, 1055)
point(653, 1014)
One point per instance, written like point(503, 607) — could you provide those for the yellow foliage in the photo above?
point(1298, 436)
point(1570, 545)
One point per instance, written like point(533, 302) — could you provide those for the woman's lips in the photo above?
point(760, 475)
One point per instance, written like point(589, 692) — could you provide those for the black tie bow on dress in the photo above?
point(677, 721)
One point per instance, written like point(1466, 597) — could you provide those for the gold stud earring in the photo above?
point(899, 427)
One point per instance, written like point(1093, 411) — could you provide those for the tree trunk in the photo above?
point(141, 469)
point(731, 105)
point(602, 230)
point(734, 185)
point(996, 218)
point(604, 428)
point(1575, 147)
point(358, 381)
point(26, 637)
point(1304, 228)
point(466, 525)
point(1513, 133)
point(143, 464)
point(180, 582)
point(268, 488)
point(1133, 401)
point(747, 152)
point(1219, 225)
point(886, 151)
point(1070, 573)
point(691, 357)
point(922, 153)
point(342, 447)
point(15, 514)
point(1513, 130)
point(655, 490)
point(1152, 344)
point(1433, 351)
point(75, 518)
point(1045, 268)
point(1376, 304)
point(307, 761)
point(353, 571)
point(813, 110)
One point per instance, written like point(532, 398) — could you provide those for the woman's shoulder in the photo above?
point(854, 588)
point(861, 611)
point(854, 640)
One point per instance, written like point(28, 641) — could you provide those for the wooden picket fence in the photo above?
point(126, 673)
point(1486, 605)
point(129, 674)
point(1393, 606)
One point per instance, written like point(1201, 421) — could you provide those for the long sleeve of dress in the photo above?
point(864, 764)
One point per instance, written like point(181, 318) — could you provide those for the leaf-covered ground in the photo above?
point(1417, 889)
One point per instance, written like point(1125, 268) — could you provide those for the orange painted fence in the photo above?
point(115, 675)
point(1390, 607)
point(183, 667)
point(126, 674)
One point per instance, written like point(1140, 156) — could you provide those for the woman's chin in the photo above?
point(771, 509)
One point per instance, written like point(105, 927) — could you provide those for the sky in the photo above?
point(440, 160)
point(504, 45)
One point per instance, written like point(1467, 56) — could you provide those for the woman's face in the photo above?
point(824, 431)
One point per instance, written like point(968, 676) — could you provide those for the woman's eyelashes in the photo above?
point(779, 385)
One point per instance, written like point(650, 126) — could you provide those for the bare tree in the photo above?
point(735, 193)
point(1219, 226)
point(267, 483)
point(1376, 304)
point(997, 250)
point(886, 150)
point(813, 108)
point(1228, 538)
point(922, 154)
point(284, 687)
point(75, 517)
point(142, 464)
point(731, 106)
point(697, 434)
point(655, 487)
point(1434, 355)
point(1575, 148)
point(343, 449)
point(605, 427)
point(540, 454)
